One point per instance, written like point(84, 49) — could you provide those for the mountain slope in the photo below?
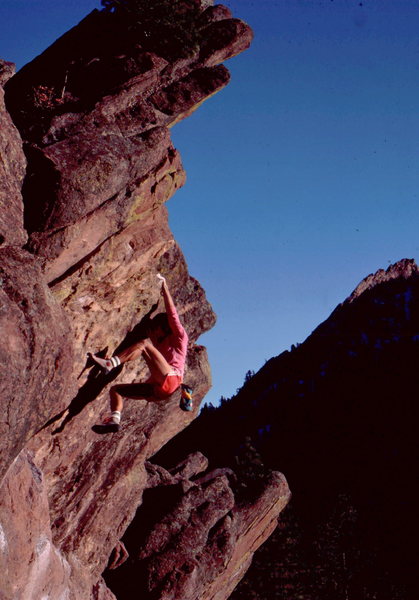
point(338, 414)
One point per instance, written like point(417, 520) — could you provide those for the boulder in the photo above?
point(194, 537)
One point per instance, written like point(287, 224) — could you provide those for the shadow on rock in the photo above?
point(97, 380)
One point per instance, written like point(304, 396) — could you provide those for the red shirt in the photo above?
point(174, 347)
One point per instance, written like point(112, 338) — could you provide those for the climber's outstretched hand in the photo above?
point(163, 283)
point(168, 300)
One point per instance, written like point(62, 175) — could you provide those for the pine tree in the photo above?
point(167, 27)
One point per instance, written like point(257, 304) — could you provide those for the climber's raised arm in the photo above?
point(172, 315)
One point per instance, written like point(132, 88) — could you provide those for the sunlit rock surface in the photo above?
point(12, 171)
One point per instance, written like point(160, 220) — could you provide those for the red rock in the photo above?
point(36, 346)
point(12, 171)
point(192, 465)
point(180, 97)
point(98, 75)
point(101, 135)
point(118, 556)
point(31, 565)
point(86, 171)
point(104, 474)
point(203, 543)
point(224, 39)
point(214, 13)
point(402, 269)
point(252, 524)
point(63, 248)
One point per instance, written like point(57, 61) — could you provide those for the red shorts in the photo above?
point(170, 384)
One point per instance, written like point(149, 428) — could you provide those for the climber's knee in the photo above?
point(114, 390)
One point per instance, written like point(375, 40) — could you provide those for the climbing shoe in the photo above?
point(106, 364)
point(110, 425)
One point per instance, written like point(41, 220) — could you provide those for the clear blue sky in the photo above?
point(303, 174)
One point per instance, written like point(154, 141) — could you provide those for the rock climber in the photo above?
point(164, 351)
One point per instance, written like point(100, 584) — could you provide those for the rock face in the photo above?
point(94, 112)
point(32, 566)
point(338, 414)
point(34, 347)
point(33, 326)
point(12, 171)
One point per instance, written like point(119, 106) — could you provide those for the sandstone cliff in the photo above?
point(83, 232)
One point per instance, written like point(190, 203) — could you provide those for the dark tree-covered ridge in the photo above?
point(338, 416)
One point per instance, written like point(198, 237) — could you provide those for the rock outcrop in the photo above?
point(192, 538)
point(94, 109)
point(79, 258)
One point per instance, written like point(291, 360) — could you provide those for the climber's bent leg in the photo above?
point(132, 352)
point(111, 423)
point(145, 348)
point(158, 365)
point(136, 391)
point(108, 363)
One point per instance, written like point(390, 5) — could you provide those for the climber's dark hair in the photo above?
point(161, 321)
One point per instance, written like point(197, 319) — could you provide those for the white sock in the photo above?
point(115, 362)
point(116, 416)
point(106, 363)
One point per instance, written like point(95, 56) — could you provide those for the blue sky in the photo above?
point(303, 174)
